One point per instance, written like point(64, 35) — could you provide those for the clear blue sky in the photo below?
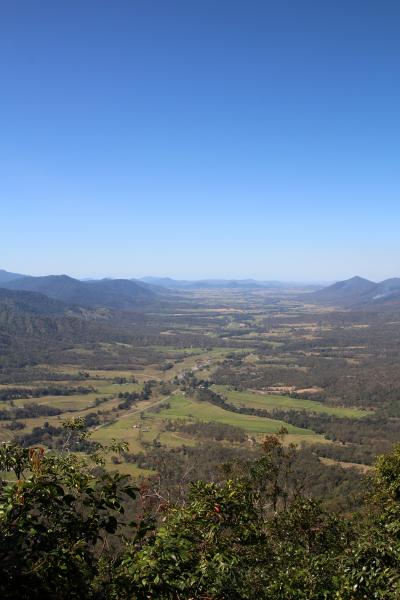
point(199, 138)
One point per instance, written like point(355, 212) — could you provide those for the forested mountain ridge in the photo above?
point(6, 276)
point(111, 293)
point(33, 326)
point(30, 302)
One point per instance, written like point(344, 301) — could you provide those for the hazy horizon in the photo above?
point(190, 278)
point(202, 275)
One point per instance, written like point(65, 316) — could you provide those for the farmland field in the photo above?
point(186, 408)
point(271, 401)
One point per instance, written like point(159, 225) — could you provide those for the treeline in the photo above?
point(354, 364)
point(373, 434)
point(175, 468)
point(370, 384)
point(366, 437)
point(129, 399)
point(37, 392)
point(56, 438)
point(29, 374)
point(364, 454)
point(31, 410)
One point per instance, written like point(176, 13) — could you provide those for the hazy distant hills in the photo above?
point(134, 294)
point(6, 276)
point(110, 293)
point(182, 284)
point(357, 293)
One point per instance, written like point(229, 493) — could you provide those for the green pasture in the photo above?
point(104, 389)
point(272, 401)
point(136, 430)
point(182, 407)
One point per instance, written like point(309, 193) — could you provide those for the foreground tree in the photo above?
point(371, 567)
point(58, 516)
point(252, 537)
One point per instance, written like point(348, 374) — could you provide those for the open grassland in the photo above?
point(104, 389)
point(91, 373)
point(182, 407)
point(138, 431)
point(275, 401)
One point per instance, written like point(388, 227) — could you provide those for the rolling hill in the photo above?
point(110, 293)
point(32, 303)
point(6, 276)
point(357, 292)
point(34, 327)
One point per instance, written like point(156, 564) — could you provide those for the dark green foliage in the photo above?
point(371, 435)
point(28, 411)
point(56, 520)
point(37, 392)
point(201, 550)
point(252, 535)
point(254, 538)
point(58, 438)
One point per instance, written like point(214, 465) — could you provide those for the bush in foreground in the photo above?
point(63, 534)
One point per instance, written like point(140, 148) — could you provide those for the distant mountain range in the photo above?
point(134, 294)
point(127, 293)
point(183, 284)
point(358, 292)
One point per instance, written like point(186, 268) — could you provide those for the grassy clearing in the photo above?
point(187, 408)
point(315, 438)
point(6, 435)
point(71, 369)
point(136, 431)
point(58, 420)
point(104, 389)
point(121, 429)
point(346, 465)
point(271, 401)
point(126, 468)
point(175, 439)
point(174, 350)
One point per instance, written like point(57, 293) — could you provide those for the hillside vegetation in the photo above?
point(69, 529)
